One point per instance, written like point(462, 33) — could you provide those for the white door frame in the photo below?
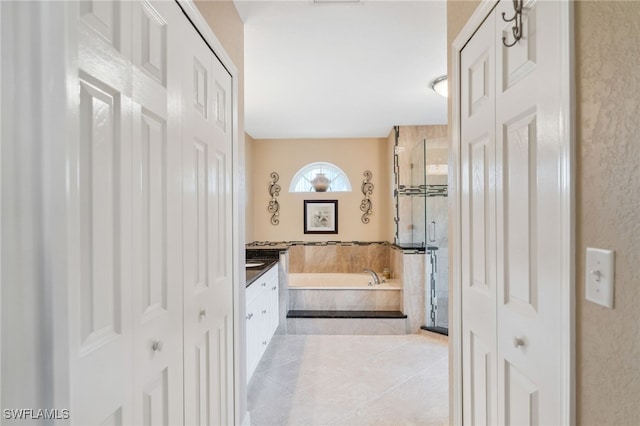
point(567, 225)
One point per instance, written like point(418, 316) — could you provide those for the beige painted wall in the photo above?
point(608, 202)
point(608, 199)
point(353, 156)
point(249, 195)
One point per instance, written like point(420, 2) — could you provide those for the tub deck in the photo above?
point(339, 281)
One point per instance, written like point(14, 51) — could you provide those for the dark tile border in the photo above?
point(345, 314)
point(284, 245)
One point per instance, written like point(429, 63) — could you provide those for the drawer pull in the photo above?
point(274, 287)
point(250, 316)
point(518, 341)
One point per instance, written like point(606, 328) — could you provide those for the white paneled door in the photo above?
point(156, 231)
point(151, 324)
point(478, 186)
point(512, 193)
point(100, 319)
point(207, 156)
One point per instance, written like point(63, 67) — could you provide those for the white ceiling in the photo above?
point(342, 69)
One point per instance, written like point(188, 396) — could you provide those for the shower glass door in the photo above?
point(436, 207)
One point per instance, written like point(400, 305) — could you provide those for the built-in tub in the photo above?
point(341, 291)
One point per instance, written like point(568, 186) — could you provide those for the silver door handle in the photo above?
point(432, 232)
point(518, 341)
point(157, 345)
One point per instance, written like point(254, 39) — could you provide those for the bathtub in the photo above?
point(341, 291)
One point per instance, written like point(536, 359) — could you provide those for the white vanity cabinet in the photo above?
point(262, 316)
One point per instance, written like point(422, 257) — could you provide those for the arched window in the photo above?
point(338, 180)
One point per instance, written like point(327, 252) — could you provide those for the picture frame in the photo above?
point(320, 216)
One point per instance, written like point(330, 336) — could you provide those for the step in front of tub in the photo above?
point(346, 322)
point(344, 314)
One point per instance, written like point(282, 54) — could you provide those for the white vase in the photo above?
point(320, 183)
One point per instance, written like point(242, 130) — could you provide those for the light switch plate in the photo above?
point(599, 277)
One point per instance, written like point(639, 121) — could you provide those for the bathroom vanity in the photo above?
point(262, 308)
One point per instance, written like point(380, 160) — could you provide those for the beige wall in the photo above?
point(353, 156)
point(608, 202)
point(249, 195)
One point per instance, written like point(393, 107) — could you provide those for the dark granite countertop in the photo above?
point(254, 273)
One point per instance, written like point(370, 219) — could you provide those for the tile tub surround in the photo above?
point(331, 291)
point(351, 380)
point(339, 258)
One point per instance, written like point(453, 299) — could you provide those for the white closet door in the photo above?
point(478, 192)
point(156, 232)
point(529, 212)
point(512, 208)
point(100, 326)
point(208, 291)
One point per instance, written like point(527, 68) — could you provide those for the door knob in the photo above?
point(157, 345)
point(203, 313)
point(518, 341)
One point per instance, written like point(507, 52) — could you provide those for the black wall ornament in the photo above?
point(274, 205)
point(367, 190)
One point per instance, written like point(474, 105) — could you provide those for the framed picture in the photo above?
point(320, 216)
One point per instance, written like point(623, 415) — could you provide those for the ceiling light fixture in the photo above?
point(440, 86)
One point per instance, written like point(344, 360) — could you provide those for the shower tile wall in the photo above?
point(414, 290)
point(411, 171)
point(442, 290)
point(437, 211)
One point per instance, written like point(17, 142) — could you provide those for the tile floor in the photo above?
point(351, 380)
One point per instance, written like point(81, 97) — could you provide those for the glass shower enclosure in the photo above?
point(420, 194)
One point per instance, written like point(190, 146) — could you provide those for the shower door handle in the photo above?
point(432, 231)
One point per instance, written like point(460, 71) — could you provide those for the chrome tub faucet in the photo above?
point(376, 278)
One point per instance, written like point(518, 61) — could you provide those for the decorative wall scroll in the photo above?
point(367, 190)
point(274, 192)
